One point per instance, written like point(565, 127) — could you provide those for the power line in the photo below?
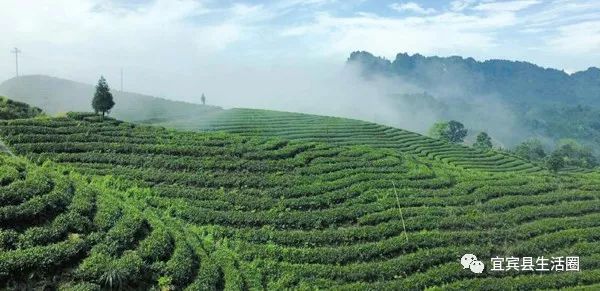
point(16, 51)
point(400, 210)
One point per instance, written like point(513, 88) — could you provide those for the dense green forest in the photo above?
point(276, 200)
point(539, 102)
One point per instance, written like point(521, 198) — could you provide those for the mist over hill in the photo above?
point(55, 95)
point(512, 100)
point(513, 81)
point(334, 90)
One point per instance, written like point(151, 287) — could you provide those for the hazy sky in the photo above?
point(173, 48)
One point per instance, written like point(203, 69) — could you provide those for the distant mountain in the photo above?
point(511, 100)
point(55, 95)
point(512, 81)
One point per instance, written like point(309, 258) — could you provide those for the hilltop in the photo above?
point(99, 203)
point(55, 95)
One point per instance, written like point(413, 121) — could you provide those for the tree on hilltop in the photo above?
point(531, 150)
point(203, 99)
point(555, 162)
point(452, 131)
point(483, 141)
point(575, 154)
point(103, 99)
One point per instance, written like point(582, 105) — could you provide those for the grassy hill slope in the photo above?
point(218, 210)
point(343, 131)
point(56, 95)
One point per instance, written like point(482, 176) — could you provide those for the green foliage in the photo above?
point(10, 109)
point(182, 265)
point(438, 130)
point(84, 286)
point(560, 121)
point(8, 174)
point(483, 141)
point(158, 246)
point(531, 150)
point(103, 99)
point(541, 101)
point(555, 161)
point(165, 283)
point(150, 208)
point(112, 272)
point(575, 154)
point(20, 262)
point(568, 153)
point(451, 131)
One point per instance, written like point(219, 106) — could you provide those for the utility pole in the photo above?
point(121, 79)
point(16, 51)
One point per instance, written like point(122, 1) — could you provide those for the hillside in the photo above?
point(216, 210)
point(10, 109)
point(56, 95)
point(343, 131)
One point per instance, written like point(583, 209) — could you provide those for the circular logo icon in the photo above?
point(469, 261)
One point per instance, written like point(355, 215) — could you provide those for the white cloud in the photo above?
point(217, 37)
point(460, 5)
point(560, 12)
point(446, 33)
point(81, 38)
point(500, 6)
point(411, 7)
point(579, 38)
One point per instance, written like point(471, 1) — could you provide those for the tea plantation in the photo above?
point(339, 204)
point(344, 131)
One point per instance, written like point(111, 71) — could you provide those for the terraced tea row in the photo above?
point(343, 131)
point(61, 229)
point(239, 212)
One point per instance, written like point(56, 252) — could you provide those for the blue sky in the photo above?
point(80, 38)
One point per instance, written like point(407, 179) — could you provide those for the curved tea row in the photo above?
point(223, 211)
point(344, 131)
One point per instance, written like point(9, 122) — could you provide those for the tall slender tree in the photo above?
point(203, 99)
point(103, 99)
